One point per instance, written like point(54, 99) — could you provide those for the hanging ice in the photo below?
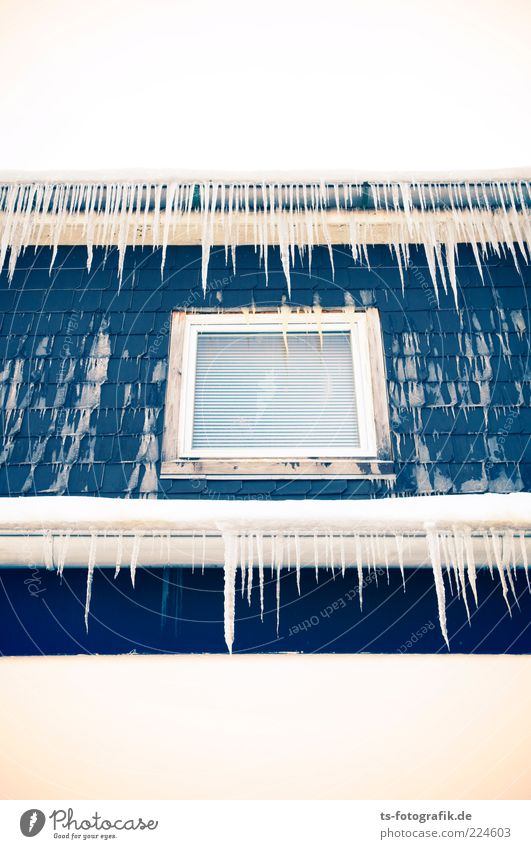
point(90, 575)
point(452, 547)
point(490, 215)
point(460, 536)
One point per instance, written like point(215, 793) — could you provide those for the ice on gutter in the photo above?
point(491, 215)
point(455, 534)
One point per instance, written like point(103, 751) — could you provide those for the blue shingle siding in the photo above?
point(83, 367)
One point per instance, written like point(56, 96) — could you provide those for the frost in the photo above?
point(159, 372)
point(440, 214)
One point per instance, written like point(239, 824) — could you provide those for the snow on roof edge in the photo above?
point(259, 176)
point(408, 514)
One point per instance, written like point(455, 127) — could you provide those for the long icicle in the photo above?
point(90, 575)
point(230, 542)
point(480, 213)
point(435, 557)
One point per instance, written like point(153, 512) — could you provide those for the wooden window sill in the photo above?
point(301, 467)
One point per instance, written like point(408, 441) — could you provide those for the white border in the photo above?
point(355, 324)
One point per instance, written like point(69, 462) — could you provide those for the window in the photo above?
point(264, 395)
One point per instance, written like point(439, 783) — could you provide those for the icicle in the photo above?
point(332, 556)
point(459, 546)
point(316, 556)
point(243, 563)
point(523, 552)
point(497, 544)
point(134, 557)
point(359, 563)
point(513, 553)
point(450, 539)
point(298, 561)
point(279, 548)
point(490, 216)
point(90, 574)
point(318, 311)
point(488, 551)
point(260, 558)
point(250, 567)
point(119, 554)
point(470, 563)
point(447, 560)
point(435, 557)
point(231, 557)
point(372, 550)
point(399, 540)
point(342, 555)
point(285, 313)
point(61, 557)
point(506, 547)
point(48, 550)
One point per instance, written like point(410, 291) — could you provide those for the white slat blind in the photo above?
point(250, 393)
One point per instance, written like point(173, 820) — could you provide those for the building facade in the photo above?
point(86, 380)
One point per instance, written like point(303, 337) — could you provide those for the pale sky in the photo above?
point(407, 85)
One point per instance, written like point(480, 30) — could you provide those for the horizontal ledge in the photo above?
point(67, 514)
point(331, 226)
point(184, 550)
point(300, 468)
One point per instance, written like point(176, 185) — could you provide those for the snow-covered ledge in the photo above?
point(458, 532)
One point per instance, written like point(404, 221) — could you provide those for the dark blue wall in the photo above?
point(459, 380)
point(83, 368)
point(326, 617)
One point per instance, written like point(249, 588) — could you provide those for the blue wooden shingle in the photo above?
point(458, 380)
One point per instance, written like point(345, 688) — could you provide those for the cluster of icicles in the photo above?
point(452, 550)
point(451, 553)
point(490, 216)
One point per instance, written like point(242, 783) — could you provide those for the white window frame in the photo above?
point(372, 458)
point(356, 328)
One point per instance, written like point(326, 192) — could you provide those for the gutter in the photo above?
point(58, 531)
point(56, 550)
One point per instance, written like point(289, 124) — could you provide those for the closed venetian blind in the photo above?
point(251, 393)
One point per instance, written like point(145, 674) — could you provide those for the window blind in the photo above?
point(252, 393)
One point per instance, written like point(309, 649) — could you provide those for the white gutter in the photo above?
point(158, 549)
point(57, 531)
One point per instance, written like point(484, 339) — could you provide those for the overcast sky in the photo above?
point(282, 84)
